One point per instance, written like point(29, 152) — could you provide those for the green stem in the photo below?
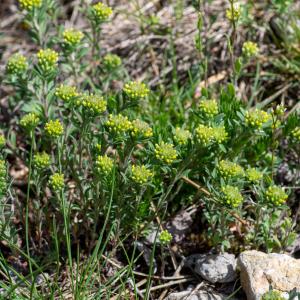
point(273, 145)
point(65, 212)
point(232, 44)
point(32, 142)
point(72, 62)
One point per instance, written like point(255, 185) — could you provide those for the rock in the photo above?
point(197, 295)
point(214, 267)
point(259, 271)
point(180, 225)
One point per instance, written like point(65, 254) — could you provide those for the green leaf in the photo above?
point(238, 65)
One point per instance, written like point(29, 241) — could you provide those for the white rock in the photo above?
point(259, 271)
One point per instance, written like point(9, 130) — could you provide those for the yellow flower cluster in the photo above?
point(136, 90)
point(253, 175)
point(182, 136)
point(54, 128)
point(207, 134)
point(47, 59)
point(230, 169)
point(232, 196)
point(101, 12)
point(204, 134)
point(118, 123)
point(272, 295)
point(30, 4)
point(72, 37)
point(296, 133)
point(141, 128)
point(2, 141)
point(93, 103)
point(112, 61)
point(17, 64)
point(256, 118)
point(209, 107)
point(41, 160)
point(56, 181)
point(97, 147)
point(165, 152)
point(66, 92)
point(30, 121)
point(233, 14)
point(219, 134)
point(279, 110)
point(104, 164)
point(165, 237)
point(249, 49)
point(140, 174)
point(276, 195)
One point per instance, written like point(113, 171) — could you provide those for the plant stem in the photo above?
point(32, 142)
point(232, 44)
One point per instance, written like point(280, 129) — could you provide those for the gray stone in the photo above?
point(259, 271)
point(214, 267)
point(197, 295)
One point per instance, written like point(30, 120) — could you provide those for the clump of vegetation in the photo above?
point(104, 165)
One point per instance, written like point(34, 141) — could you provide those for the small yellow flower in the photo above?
point(141, 128)
point(250, 49)
point(140, 174)
point(257, 118)
point(56, 181)
point(17, 64)
point(165, 237)
point(233, 14)
point(279, 110)
point(104, 164)
point(230, 169)
point(47, 59)
point(232, 196)
point(101, 12)
point(182, 136)
point(165, 152)
point(209, 107)
point(66, 93)
point(30, 121)
point(296, 133)
point(54, 128)
point(30, 4)
point(41, 160)
point(112, 61)
point(253, 175)
point(276, 195)
point(72, 37)
point(94, 104)
point(136, 90)
point(98, 147)
point(118, 123)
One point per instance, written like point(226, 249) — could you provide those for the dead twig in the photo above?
point(173, 282)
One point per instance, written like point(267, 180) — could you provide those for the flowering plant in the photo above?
point(106, 164)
